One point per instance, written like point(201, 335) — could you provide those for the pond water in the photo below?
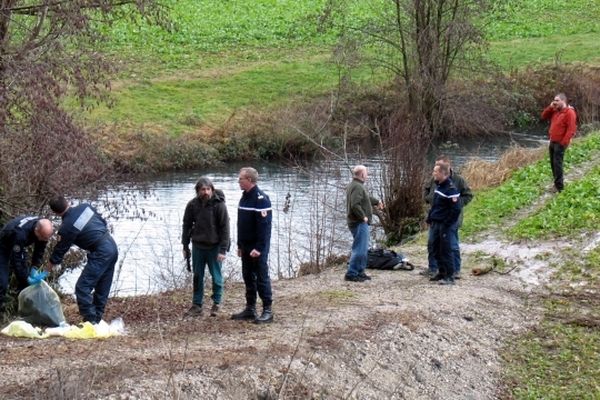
point(308, 216)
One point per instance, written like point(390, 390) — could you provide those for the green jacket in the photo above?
point(358, 203)
point(466, 195)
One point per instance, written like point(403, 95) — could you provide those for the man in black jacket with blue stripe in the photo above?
point(444, 212)
point(84, 227)
point(254, 238)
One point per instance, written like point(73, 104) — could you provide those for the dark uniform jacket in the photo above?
point(466, 195)
point(16, 236)
point(358, 203)
point(446, 205)
point(254, 221)
point(207, 223)
point(81, 226)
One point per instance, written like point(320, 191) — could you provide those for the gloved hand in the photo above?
point(187, 254)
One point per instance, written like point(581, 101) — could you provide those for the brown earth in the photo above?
point(397, 336)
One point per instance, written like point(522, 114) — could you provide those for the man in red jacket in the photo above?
point(563, 124)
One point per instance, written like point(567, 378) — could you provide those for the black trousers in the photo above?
point(557, 153)
point(442, 252)
point(255, 272)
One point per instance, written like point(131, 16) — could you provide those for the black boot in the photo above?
point(266, 317)
point(249, 313)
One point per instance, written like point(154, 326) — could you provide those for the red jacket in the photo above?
point(562, 124)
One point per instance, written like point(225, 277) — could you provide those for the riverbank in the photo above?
point(397, 336)
point(499, 335)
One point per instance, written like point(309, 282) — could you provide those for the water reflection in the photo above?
point(308, 217)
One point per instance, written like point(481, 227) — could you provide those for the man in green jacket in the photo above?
point(466, 195)
point(359, 206)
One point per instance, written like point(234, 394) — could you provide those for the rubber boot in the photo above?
point(266, 316)
point(249, 313)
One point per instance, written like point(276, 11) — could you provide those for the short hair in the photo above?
point(43, 228)
point(58, 204)
point(357, 170)
point(443, 159)
point(444, 168)
point(561, 96)
point(250, 173)
point(204, 181)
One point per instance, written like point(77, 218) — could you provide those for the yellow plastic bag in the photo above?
point(86, 330)
point(23, 329)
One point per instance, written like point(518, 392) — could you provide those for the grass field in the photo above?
point(223, 56)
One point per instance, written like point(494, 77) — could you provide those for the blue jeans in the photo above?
point(97, 276)
point(454, 247)
point(360, 248)
point(200, 258)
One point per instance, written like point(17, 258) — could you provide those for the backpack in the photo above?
point(388, 259)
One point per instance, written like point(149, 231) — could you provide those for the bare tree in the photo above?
point(423, 42)
point(48, 52)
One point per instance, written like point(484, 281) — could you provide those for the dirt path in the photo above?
point(396, 337)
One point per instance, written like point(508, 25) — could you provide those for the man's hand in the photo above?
point(187, 255)
point(220, 257)
point(255, 253)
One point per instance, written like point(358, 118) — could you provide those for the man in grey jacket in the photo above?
point(206, 225)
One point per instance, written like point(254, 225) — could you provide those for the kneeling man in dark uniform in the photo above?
point(15, 237)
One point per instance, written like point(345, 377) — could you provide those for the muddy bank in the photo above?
point(397, 336)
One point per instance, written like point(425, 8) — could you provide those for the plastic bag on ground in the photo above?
point(23, 329)
point(86, 330)
point(40, 305)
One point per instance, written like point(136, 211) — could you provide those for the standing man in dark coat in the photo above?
point(444, 212)
point(563, 125)
point(466, 195)
point(84, 227)
point(15, 237)
point(206, 224)
point(254, 238)
point(359, 207)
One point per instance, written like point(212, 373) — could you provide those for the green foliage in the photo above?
point(560, 359)
point(575, 209)
point(557, 361)
point(512, 19)
point(492, 206)
point(217, 25)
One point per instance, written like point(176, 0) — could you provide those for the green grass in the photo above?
point(516, 53)
point(575, 210)
point(220, 57)
point(560, 358)
point(181, 103)
point(511, 19)
point(491, 207)
point(556, 361)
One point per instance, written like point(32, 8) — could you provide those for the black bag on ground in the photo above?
point(388, 259)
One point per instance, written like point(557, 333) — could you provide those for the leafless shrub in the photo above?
point(581, 84)
point(482, 174)
point(404, 151)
